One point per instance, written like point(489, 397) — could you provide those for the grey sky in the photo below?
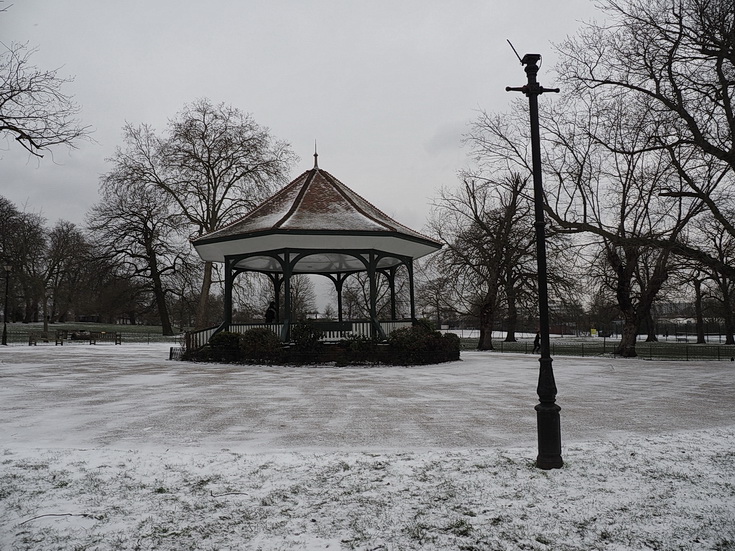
point(385, 87)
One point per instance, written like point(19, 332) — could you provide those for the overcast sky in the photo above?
point(386, 87)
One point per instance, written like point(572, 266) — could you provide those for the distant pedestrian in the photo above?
point(537, 343)
point(270, 313)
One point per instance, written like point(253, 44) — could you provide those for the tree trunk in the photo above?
point(158, 293)
point(729, 325)
point(28, 310)
point(160, 298)
point(201, 317)
point(487, 319)
point(512, 320)
point(633, 314)
point(45, 315)
point(698, 311)
point(651, 328)
point(626, 348)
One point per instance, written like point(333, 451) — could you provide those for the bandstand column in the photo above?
point(229, 280)
point(409, 267)
point(287, 271)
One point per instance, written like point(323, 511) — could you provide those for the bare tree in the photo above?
point(10, 223)
point(215, 163)
point(303, 297)
point(135, 226)
point(720, 284)
point(30, 262)
point(356, 295)
point(68, 253)
point(486, 227)
point(673, 61)
point(34, 109)
point(434, 294)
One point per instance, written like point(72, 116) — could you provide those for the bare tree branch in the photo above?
point(34, 109)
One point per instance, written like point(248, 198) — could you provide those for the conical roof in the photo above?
point(315, 211)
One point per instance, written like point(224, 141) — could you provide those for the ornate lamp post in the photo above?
point(7, 269)
point(547, 411)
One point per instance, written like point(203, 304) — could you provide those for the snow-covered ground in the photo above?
point(115, 447)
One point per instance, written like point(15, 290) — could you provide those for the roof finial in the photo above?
point(316, 165)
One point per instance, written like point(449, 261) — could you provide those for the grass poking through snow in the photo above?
point(674, 492)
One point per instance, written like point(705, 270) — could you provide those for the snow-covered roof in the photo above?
point(315, 211)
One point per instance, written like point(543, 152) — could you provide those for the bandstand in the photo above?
point(316, 225)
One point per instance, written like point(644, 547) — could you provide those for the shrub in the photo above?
point(222, 347)
point(225, 340)
point(421, 345)
point(451, 344)
point(358, 349)
point(305, 344)
point(260, 345)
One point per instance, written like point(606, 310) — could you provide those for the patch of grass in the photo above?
point(420, 532)
point(459, 527)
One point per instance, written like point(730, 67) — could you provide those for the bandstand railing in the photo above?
point(197, 339)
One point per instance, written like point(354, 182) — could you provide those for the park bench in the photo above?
point(332, 330)
point(105, 336)
point(33, 338)
point(92, 337)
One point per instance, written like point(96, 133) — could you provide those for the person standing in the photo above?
point(537, 343)
point(270, 313)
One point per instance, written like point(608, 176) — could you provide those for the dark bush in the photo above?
point(305, 344)
point(358, 349)
point(225, 340)
point(260, 345)
point(451, 344)
point(415, 345)
point(222, 347)
point(421, 345)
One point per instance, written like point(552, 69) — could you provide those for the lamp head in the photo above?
point(531, 59)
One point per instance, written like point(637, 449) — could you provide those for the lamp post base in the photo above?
point(549, 436)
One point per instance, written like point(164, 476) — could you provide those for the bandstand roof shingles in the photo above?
point(315, 211)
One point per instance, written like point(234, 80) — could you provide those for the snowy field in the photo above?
point(114, 447)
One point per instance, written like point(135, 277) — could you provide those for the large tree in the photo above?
point(67, 257)
point(674, 62)
point(10, 223)
point(486, 226)
point(34, 108)
point(719, 283)
point(214, 162)
point(133, 225)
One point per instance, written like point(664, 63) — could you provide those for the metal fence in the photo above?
point(197, 339)
point(22, 336)
point(646, 350)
